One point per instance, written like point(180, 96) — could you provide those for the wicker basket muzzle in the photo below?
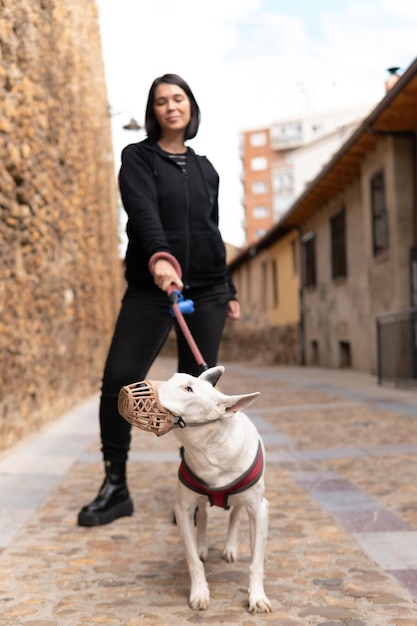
point(139, 404)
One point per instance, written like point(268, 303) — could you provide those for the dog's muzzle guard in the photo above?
point(139, 404)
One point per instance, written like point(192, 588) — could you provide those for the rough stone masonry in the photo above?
point(60, 273)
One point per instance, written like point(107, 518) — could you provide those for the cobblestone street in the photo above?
point(341, 480)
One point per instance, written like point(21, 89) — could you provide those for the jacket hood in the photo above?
point(152, 146)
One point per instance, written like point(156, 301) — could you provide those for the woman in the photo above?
point(170, 195)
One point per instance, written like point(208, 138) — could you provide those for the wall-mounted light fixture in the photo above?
point(132, 125)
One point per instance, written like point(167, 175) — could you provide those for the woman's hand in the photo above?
point(165, 275)
point(233, 312)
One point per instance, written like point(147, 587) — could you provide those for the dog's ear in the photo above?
point(212, 375)
point(230, 404)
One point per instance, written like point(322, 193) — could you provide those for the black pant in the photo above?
point(142, 327)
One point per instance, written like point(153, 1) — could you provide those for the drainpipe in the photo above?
point(413, 252)
point(302, 328)
point(301, 300)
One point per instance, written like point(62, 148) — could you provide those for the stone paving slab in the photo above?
point(31, 469)
point(343, 527)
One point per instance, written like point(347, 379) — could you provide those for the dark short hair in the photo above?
point(151, 125)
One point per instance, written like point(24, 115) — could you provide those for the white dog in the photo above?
point(223, 462)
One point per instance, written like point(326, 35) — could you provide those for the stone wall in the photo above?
point(59, 268)
point(268, 345)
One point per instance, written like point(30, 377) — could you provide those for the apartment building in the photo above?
point(279, 161)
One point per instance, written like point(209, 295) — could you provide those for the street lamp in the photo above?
point(132, 125)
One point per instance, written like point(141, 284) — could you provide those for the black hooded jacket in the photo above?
point(169, 211)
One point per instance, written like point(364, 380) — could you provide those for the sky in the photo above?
point(250, 63)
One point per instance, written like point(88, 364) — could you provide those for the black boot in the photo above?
point(113, 499)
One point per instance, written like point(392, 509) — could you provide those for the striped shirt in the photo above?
point(180, 159)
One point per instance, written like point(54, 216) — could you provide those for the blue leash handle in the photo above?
point(185, 306)
point(179, 305)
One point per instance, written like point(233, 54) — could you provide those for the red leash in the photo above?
point(173, 297)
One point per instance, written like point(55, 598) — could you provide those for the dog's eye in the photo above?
point(188, 389)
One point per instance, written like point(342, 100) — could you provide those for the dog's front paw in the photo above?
point(259, 604)
point(230, 554)
point(199, 598)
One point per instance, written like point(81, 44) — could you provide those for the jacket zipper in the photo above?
point(187, 216)
point(187, 230)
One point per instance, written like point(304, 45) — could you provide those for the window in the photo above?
point(338, 245)
point(345, 357)
point(275, 297)
point(281, 204)
point(260, 232)
point(259, 186)
point(289, 157)
point(260, 212)
point(258, 164)
point(287, 133)
point(257, 140)
point(379, 214)
point(315, 353)
point(283, 182)
point(309, 257)
point(317, 127)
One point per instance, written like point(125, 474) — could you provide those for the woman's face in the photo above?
point(172, 108)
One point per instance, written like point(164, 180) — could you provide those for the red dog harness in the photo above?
point(220, 495)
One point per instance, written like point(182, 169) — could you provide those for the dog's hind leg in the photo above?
point(231, 547)
point(258, 517)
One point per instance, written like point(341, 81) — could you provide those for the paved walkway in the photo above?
point(342, 486)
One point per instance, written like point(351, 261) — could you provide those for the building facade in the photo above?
point(266, 275)
point(356, 259)
point(355, 227)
